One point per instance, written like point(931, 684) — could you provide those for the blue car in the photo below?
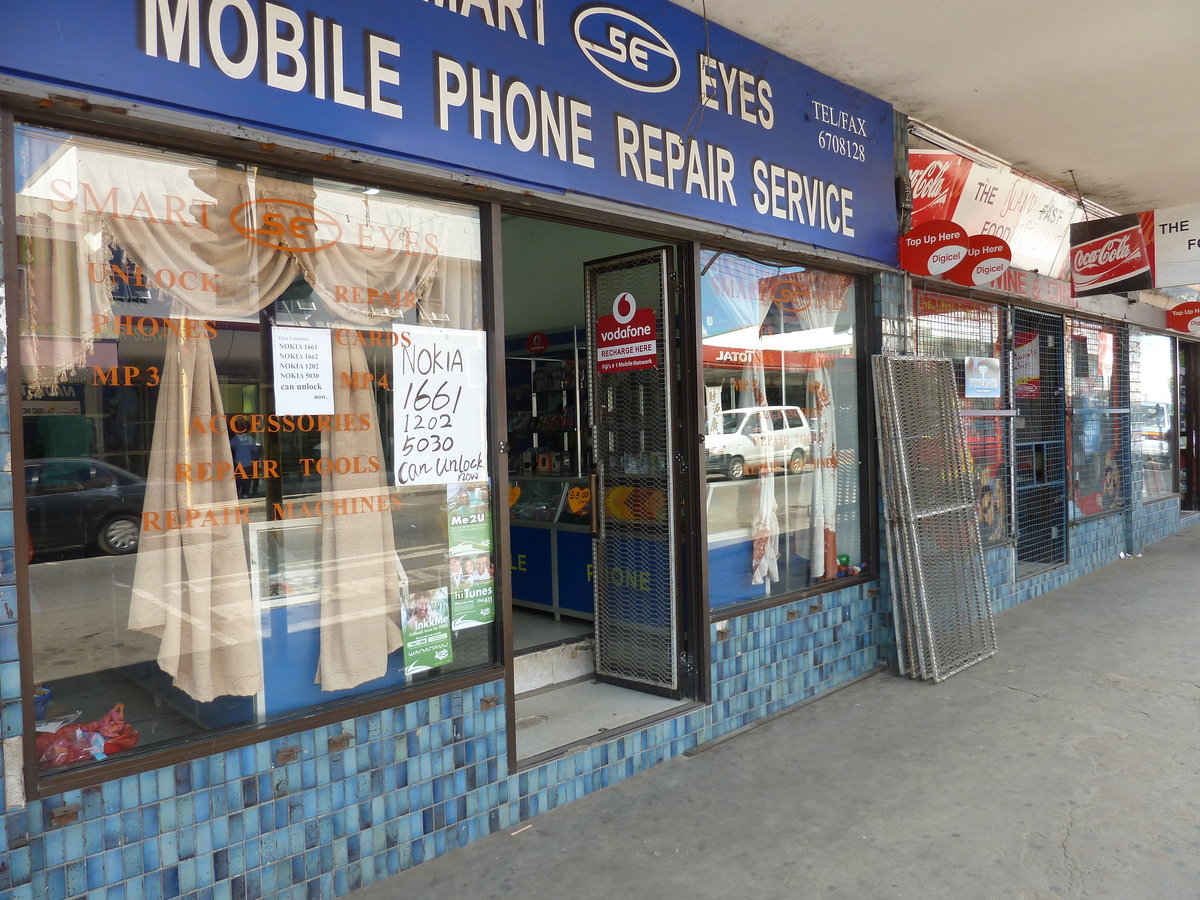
point(83, 503)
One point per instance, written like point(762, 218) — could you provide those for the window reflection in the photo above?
point(237, 489)
point(781, 435)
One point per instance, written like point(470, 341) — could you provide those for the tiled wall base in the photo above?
point(418, 781)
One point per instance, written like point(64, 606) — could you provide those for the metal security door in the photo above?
point(630, 403)
point(1040, 441)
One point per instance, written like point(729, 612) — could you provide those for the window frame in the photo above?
point(1137, 427)
point(43, 784)
point(866, 287)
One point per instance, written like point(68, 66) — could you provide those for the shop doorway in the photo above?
point(590, 367)
point(1188, 381)
point(1040, 457)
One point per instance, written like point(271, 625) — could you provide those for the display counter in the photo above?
point(550, 526)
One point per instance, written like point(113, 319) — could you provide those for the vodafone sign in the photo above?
point(628, 339)
point(943, 248)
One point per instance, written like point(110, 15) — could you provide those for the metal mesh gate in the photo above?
point(1098, 417)
point(943, 605)
point(969, 330)
point(1040, 449)
point(635, 550)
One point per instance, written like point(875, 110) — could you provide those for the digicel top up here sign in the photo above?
point(940, 247)
point(933, 248)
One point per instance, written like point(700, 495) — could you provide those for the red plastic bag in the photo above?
point(75, 743)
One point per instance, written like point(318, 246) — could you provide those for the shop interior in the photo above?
point(559, 700)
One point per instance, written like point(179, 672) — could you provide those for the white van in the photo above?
point(740, 442)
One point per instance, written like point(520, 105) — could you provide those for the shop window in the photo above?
point(782, 428)
point(1156, 416)
point(255, 429)
point(970, 333)
point(1097, 417)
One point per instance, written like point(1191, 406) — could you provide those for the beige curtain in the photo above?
point(191, 584)
point(66, 261)
point(826, 292)
point(360, 579)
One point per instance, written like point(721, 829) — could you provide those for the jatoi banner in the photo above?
point(472, 571)
point(427, 642)
point(439, 387)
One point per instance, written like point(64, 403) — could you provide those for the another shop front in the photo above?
point(359, 380)
point(1070, 404)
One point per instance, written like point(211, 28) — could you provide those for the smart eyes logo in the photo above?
point(290, 219)
point(626, 49)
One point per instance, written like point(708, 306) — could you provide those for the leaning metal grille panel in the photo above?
point(635, 554)
point(944, 613)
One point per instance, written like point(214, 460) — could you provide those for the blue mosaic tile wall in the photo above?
point(417, 782)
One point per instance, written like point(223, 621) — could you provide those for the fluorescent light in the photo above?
point(946, 142)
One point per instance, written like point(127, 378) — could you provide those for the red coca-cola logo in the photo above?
point(936, 178)
point(930, 182)
point(1111, 258)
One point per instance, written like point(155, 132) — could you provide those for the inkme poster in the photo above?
point(426, 631)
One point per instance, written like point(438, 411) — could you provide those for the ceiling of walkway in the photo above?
point(1107, 89)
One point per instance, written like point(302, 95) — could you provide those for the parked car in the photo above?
point(75, 502)
point(1156, 433)
point(741, 441)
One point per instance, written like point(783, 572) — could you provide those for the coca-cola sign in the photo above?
point(1109, 256)
point(937, 179)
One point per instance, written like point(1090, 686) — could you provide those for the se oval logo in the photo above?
point(626, 49)
point(288, 223)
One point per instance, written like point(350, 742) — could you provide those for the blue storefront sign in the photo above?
point(642, 102)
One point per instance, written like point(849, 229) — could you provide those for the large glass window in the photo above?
point(1156, 416)
point(254, 427)
point(781, 437)
point(1097, 416)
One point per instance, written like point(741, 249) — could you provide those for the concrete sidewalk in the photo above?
point(1068, 765)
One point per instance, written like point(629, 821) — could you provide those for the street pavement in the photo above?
point(1068, 765)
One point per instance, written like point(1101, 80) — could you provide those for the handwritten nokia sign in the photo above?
point(641, 101)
